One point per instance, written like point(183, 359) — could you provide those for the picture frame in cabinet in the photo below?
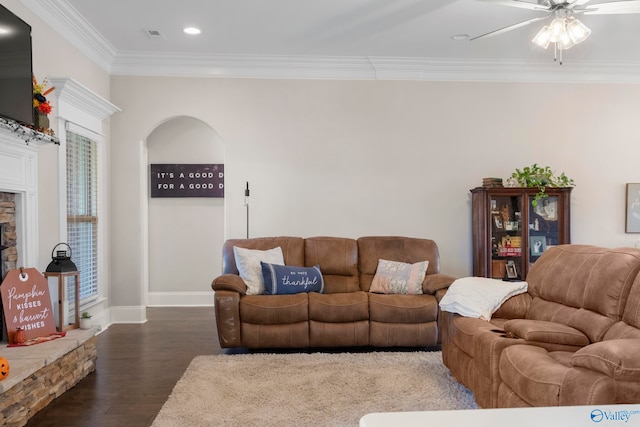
point(547, 208)
point(512, 272)
point(538, 245)
point(632, 224)
point(497, 221)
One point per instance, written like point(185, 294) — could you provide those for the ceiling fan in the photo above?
point(564, 30)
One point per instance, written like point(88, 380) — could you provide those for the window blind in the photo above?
point(82, 211)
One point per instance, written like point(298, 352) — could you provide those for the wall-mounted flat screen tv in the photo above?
point(16, 87)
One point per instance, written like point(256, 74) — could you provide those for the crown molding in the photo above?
point(251, 66)
point(370, 68)
point(72, 26)
point(78, 31)
point(80, 96)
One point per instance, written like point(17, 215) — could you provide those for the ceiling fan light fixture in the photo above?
point(577, 31)
point(556, 29)
point(543, 38)
point(565, 42)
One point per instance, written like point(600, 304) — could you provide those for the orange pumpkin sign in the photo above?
point(4, 368)
point(27, 304)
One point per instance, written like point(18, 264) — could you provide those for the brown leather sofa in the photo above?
point(572, 339)
point(346, 315)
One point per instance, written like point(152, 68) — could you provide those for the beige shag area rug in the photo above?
point(317, 389)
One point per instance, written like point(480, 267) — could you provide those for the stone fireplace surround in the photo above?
point(8, 250)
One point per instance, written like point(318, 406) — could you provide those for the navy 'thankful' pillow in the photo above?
point(284, 279)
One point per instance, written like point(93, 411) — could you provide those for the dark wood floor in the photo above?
point(137, 367)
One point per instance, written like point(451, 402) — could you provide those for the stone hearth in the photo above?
point(42, 372)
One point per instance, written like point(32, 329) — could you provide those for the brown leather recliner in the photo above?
point(346, 315)
point(572, 339)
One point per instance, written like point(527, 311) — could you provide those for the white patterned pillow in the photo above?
point(393, 277)
point(248, 263)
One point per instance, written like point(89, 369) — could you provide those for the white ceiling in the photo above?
point(368, 39)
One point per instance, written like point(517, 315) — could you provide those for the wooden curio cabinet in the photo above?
point(510, 234)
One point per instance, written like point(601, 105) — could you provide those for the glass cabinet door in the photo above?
point(543, 226)
point(506, 237)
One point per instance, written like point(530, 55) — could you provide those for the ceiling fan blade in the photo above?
point(518, 3)
point(620, 7)
point(575, 3)
point(511, 27)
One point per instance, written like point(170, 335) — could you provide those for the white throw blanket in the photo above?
point(479, 297)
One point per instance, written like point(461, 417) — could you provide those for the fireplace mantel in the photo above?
point(19, 174)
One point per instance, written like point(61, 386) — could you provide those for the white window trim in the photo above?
point(82, 111)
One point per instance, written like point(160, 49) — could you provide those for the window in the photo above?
point(82, 211)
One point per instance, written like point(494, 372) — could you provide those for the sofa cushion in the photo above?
point(338, 260)
point(339, 308)
point(545, 332)
point(274, 309)
point(393, 248)
point(282, 279)
point(631, 314)
point(589, 277)
point(622, 330)
point(382, 334)
point(248, 263)
point(479, 297)
point(592, 324)
point(402, 308)
point(616, 358)
point(533, 373)
point(394, 277)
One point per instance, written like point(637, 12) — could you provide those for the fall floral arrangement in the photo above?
point(41, 107)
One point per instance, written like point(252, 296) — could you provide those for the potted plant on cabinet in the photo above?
point(85, 320)
point(540, 177)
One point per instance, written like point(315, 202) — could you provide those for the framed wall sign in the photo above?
point(633, 208)
point(187, 180)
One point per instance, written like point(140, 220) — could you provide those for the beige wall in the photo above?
point(354, 158)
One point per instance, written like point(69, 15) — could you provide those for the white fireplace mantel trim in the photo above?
point(19, 175)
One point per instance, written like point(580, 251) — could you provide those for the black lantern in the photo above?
point(61, 262)
point(64, 269)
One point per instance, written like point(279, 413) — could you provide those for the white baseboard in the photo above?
point(181, 299)
point(128, 314)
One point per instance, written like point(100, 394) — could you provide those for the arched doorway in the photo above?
point(184, 234)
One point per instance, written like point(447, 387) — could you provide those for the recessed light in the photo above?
point(191, 31)
point(458, 37)
point(4, 31)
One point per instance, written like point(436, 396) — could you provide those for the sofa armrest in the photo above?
point(228, 323)
point(617, 359)
point(514, 308)
point(435, 282)
point(541, 331)
point(229, 282)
